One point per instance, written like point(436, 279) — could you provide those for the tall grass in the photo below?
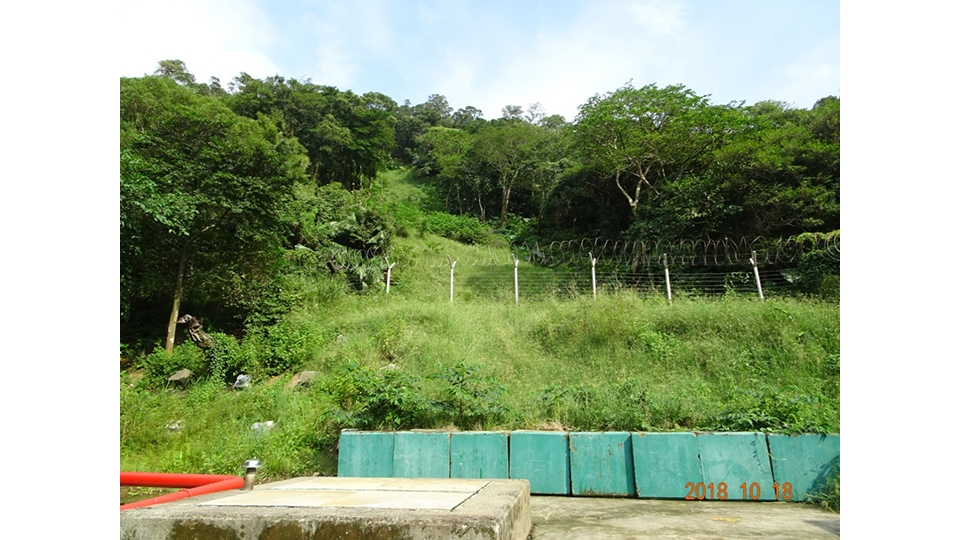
point(413, 359)
point(622, 362)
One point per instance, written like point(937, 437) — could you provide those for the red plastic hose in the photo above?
point(197, 484)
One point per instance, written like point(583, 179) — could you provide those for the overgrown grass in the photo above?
point(414, 359)
point(622, 362)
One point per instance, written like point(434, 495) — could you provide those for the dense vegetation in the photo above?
point(271, 209)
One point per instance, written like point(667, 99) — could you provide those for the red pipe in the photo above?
point(171, 480)
point(198, 484)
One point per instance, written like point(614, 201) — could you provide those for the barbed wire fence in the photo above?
point(756, 266)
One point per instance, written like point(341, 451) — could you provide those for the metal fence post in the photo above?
point(666, 272)
point(756, 273)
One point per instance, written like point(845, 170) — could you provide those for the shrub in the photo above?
point(159, 365)
point(278, 348)
point(469, 398)
point(376, 398)
point(465, 229)
point(815, 268)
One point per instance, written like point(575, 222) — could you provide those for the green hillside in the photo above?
point(414, 359)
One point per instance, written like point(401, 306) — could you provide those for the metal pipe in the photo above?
point(251, 465)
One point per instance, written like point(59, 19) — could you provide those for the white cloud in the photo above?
point(659, 18)
point(810, 77)
point(212, 37)
point(609, 44)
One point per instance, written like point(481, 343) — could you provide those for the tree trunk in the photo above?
point(503, 208)
point(632, 201)
point(177, 296)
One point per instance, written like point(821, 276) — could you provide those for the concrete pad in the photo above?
point(320, 508)
point(445, 500)
point(421, 454)
point(383, 484)
point(664, 463)
point(739, 461)
point(479, 454)
point(542, 458)
point(366, 453)
point(590, 518)
point(805, 461)
point(602, 464)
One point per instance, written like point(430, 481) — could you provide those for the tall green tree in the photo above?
point(643, 138)
point(348, 137)
point(509, 150)
point(201, 193)
point(783, 173)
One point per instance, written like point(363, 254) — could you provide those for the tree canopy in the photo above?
point(201, 193)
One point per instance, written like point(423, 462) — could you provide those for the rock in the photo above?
point(263, 427)
point(174, 426)
point(390, 367)
point(181, 377)
point(243, 381)
point(303, 378)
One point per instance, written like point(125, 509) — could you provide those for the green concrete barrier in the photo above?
point(479, 454)
point(665, 463)
point(418, 454)
point(602, 464)
point(701, 466)
point(366, 453)
point(543, 459)
point(805, 462)
point(736, 465)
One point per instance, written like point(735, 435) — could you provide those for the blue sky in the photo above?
point(489, 54)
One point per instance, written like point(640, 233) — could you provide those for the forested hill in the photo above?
point(227, 192)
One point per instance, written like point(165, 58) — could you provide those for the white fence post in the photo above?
point(593, 275)
point(389, 268)
point(756, 273)
point(452, 264)
point(666, 272)
point(516, 280)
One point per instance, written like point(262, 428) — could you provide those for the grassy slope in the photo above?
point(621, 362)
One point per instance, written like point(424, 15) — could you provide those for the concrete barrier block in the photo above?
point(602, 464)
point(479, 454)
point(420, 454)
point(806, 462)
point(365, 453)
point(665, 463)
point(739, 461)
point(543, 459)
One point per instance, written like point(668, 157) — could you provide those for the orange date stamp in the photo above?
point(709, 492)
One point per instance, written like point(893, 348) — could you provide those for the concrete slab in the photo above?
point(736, 466)
point(479, 454)
point(542, 458)
point(382, 484)
point(421, 454)
point(445, 500)
point(602, 464)
point(664, 463)
point(366, 453)
point(589, 518)
point(806, 462)
point(320, 508)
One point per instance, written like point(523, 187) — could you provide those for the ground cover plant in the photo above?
point(558, 359)
point(625, 361)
